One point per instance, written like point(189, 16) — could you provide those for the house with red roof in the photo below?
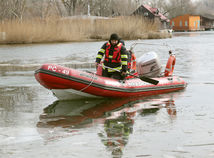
point(153, 14)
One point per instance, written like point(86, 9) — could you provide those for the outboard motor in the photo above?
point(149, 65)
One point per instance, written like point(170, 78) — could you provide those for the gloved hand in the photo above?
point(96, 64)
point(123, 73)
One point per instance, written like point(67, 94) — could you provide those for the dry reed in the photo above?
point(74, 29)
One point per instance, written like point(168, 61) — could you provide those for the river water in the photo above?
point(33, 123)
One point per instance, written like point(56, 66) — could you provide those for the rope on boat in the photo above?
point(92, 80)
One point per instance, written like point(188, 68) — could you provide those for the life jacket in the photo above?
point(115, 58)
point(131, 61)
point(129, 64)
point(170, 66)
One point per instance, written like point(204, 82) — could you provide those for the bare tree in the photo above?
point(61, 8)
point(19, 9)
point(123, 7)
point(160, 4)
point(42, 8)
point(45, 8)
point(179, 7)
point(101, 8)
point(12, 9)
point(70, 6)
point(205, 7)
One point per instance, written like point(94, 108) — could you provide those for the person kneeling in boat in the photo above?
point(131, 62)
point(115, 60)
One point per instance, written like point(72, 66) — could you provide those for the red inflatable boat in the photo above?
point(68, 83)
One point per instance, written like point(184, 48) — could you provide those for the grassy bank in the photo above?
point(76, 29)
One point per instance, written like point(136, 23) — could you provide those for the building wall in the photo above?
point(194, 23)
point(185, 23)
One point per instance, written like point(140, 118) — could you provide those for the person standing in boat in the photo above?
point(115, 60)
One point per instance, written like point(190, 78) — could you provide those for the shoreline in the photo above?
point(151, 35)
point(58, 30)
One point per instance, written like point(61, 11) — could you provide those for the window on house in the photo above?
point(198, 23)
point(173, 23)
point(180, 23)
point(186, 23)
point(146, 14)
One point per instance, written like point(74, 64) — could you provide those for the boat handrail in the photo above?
point(136, 43)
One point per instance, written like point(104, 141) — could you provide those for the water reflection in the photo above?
point(19, 105)
point(116, 135)
point(192, 34)
point(12, 97)
point(117, 118)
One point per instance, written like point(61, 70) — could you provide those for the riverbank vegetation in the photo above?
point(58, 20)
point(57, 29)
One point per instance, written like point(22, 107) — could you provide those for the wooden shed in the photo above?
point(185, 22)
point(152, 14)
point(207, 21)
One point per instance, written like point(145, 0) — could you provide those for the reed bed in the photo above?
point(75, 29)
